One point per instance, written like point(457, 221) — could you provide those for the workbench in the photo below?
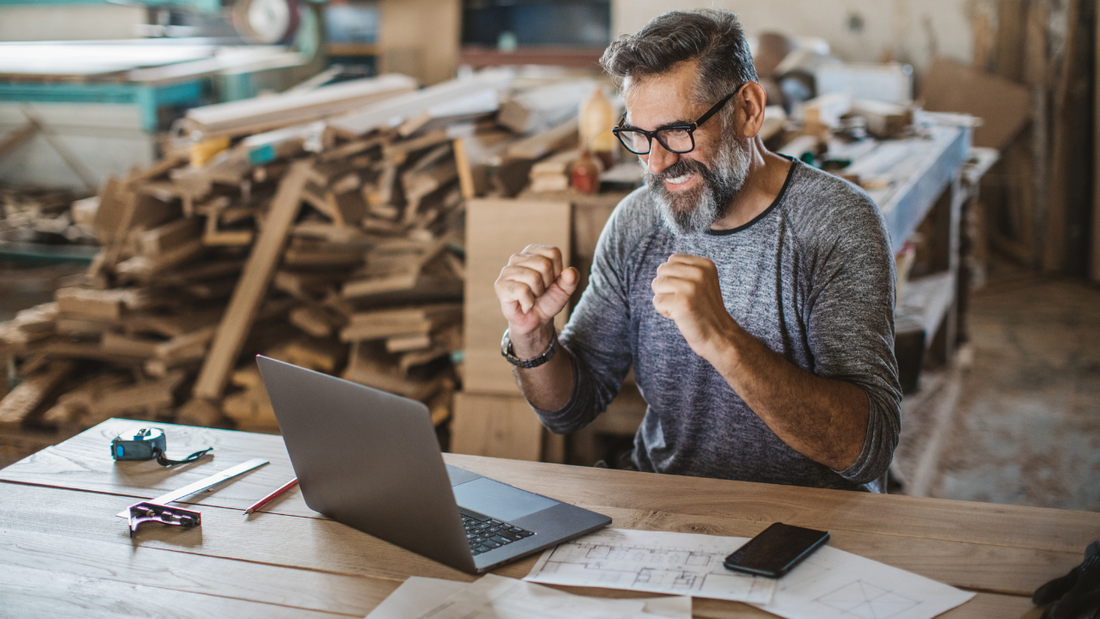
point(64, 553)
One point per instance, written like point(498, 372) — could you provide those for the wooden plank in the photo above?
point(401, 280)
point(406, 321)
point(729, 508)
point(1055, 248)
point(366, 368)
point(543, 107)
point(247, 297)
point(419, 184)
point(561, 137)
point(169, 236)
point(397, 152)
point(1094, 271)
point(316, 320)
point(1010, 38)
point(408, 343)
point(462, 165)
point(384, 113)
point(1003, 105)
point(149, 395)
point(521, 222)
point(251, 410)
point(496, 426)
point(163, 574)
point(28, 395)
point(88, 303)
point(268, 538)
point(402, 43)
point(127, 345)
point(349, 206)
point(15, 137)
point(186, 346)
point(292, 108)
point(111, 213)
point(39, 592)
point(83, 466)
point(144, 267)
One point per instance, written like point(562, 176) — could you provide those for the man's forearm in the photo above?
point(548, 386)
point(823, 419)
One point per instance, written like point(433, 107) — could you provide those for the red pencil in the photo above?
point(267, 499)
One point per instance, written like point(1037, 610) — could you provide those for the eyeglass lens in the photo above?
point(675, 140)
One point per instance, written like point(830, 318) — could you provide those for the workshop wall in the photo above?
point(909, 31)
point(69, 22)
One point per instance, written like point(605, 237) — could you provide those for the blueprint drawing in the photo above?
point(833, 584)
point(658, 562)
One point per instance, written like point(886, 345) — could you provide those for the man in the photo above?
point(752, 293)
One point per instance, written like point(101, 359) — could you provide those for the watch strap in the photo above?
point(534, 362)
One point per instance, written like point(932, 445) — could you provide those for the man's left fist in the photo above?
point(686, 290)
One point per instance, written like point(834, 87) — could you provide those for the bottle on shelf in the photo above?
point(596, 118)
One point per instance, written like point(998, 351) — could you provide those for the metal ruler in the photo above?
point(202, 484)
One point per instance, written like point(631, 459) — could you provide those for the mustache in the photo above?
point(680, 168)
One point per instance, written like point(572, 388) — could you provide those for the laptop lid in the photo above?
point(371, 460)
point(368, 459)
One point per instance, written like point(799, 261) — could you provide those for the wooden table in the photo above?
point(64, 553)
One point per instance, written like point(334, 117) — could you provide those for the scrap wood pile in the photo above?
point(335, 243)
point(44, 216)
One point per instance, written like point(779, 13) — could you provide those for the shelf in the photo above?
point(924, 305)
point(576, 57)
point(351, 49)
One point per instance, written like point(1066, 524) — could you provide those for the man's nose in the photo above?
point(659, 158)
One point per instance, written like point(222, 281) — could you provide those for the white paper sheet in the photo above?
point(654, 561)
point(833, 583)
point(496, 597)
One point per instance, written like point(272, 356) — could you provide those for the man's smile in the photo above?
point(681, 182)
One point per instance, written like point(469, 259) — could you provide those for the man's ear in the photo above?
point(750, 110)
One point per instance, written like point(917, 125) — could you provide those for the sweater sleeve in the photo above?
point(597, 336)
point(851, 325)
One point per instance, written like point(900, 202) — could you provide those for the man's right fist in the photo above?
point(533, 288)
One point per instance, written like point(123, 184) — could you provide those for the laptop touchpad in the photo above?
point(498, 500)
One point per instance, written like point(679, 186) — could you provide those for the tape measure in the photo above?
point(147, 444)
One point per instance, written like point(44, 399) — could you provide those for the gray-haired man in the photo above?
point(752, 294)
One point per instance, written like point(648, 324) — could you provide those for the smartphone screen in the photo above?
point(776, 550)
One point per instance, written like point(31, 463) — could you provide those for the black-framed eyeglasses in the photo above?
point(677, 139)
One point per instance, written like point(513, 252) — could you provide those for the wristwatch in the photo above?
point(506, 351)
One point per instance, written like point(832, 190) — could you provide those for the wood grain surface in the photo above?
point(64, 553)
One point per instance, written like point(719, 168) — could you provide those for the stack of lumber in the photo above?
point(35, 215)
point(336, 243)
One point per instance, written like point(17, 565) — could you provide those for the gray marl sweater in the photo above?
point(812, 278)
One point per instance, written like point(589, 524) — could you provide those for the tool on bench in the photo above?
point(160, 512)
point(143, 512)
point(146, 444)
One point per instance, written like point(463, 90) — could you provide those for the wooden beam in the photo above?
point(32, 392)
point(1054, 245)
point(15, 137)
point(519, 223)
point(495, 425)
point(1094, 272)
point(246, 299)
point(290, 108)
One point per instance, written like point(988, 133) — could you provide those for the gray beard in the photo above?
point(696, 211)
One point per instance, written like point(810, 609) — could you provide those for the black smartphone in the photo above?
point(776, 550)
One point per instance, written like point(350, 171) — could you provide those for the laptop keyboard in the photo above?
point(485, 533)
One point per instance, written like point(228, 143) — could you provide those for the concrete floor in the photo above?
point(1016, 419)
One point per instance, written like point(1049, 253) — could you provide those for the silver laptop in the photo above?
point(371, 460)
